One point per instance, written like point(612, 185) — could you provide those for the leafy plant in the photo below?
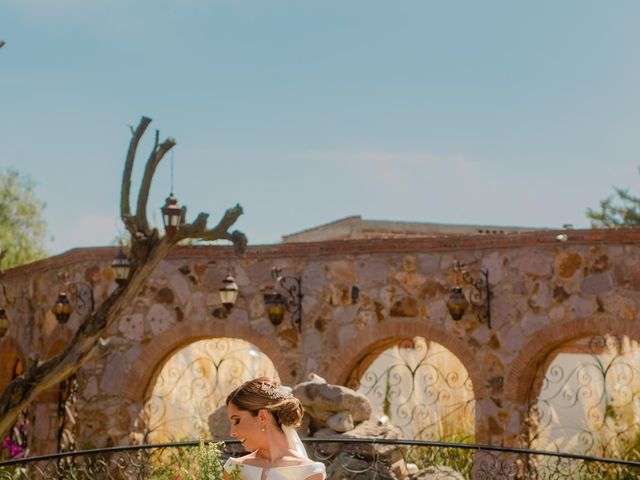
point(203, 462)
point(624, 213)
point(458, 459)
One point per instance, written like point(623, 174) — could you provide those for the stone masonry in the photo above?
point(545, 293)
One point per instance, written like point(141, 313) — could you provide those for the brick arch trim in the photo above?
point(386, 331)
point(162, 346)
point(522, 371)
point(10, 351)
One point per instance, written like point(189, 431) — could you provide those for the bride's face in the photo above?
point(245, 427)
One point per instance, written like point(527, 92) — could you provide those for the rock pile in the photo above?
point(335, 411)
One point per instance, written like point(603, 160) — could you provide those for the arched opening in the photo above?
point(419, 386)
point(585, 398)
point(194, 382)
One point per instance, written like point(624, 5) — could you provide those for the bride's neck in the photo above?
point(275, 448)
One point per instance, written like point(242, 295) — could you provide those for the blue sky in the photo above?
point(492, 112)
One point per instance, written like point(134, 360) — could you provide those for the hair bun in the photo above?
point(289, 412)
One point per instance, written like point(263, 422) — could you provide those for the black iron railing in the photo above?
point(358, 459)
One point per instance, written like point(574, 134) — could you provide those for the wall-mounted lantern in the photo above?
point(479, 296)
point(457, 303)
point(228, 292)
point(121, 268)
point(276, 303)
point(276, 307)
point(77, 296)
point(62, 309)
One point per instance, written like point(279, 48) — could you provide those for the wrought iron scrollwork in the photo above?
point(82, 295)
point(196, 381)
point(480, 294)
point(421, 387)
point(293, 286)
point(587, 400)
point(354, 459)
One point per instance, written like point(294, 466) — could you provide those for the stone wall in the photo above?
point(545, 293)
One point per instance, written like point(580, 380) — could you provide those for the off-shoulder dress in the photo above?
point(296, 472)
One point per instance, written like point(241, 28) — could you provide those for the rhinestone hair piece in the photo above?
point(275, 391)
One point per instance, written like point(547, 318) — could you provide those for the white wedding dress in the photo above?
point(296, 472)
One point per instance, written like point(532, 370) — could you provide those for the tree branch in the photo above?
point(148, 249)
point(198, 229)
point(86, 342)
point(125, 209)
point(149, 170)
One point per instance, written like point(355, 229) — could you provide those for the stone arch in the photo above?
point(522, 371)
point(10, 352)
point(392, 331)
point(409, 364)
point(162, 346)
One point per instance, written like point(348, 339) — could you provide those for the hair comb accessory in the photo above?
point(275, 391)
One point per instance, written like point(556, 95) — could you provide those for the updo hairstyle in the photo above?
point(263, 393)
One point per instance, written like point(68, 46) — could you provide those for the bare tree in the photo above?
point(148, 249)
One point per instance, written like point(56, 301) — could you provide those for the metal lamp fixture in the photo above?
point(62, 309)
point(228, 292)
point(276, 307)
point(457, 303)
point(277, 304)
point(77, 297)
point(479, 295)
point(121, 268)
point(171, 215)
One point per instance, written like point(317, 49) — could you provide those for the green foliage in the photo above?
point(22, 226)
point(193, 463)
point(208, 463)
point(624, 213)
point(458, 459)
point(13, 474)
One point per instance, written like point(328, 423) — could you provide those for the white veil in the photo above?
point(294, 441)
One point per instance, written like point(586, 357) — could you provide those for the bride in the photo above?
point(263, 417)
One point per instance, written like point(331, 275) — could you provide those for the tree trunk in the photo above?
point(148, 249)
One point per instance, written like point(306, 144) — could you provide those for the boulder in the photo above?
point(341, 422)
point(364, 460)
point(322, 401)
point(368, 451)
point(345, 466)
point(219, 424)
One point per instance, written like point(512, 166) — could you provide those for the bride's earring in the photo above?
point(262, 429)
